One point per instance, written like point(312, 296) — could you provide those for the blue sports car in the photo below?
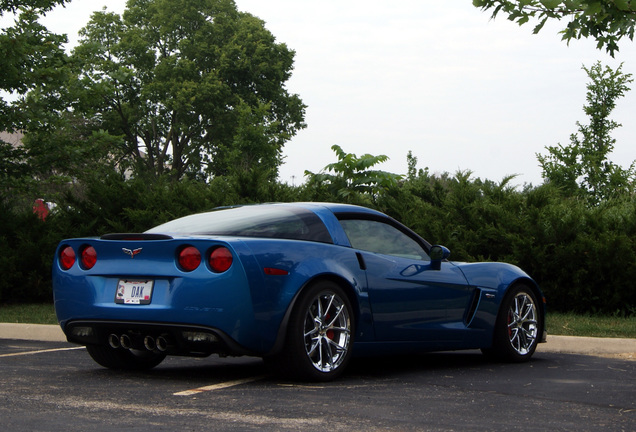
point(303, 285)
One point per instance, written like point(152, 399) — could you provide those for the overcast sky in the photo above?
point(437, 78)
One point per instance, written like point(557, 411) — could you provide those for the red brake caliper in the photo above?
point(330, 333)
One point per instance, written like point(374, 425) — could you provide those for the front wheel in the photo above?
point(518, 325)
point(319, 336)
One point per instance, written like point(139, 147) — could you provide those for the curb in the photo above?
point(621, 347)
point(615, 347)
point(36, 332)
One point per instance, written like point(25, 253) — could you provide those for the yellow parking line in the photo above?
point(39, 352)
point(218, 386)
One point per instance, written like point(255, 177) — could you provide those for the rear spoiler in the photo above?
point(135, 236)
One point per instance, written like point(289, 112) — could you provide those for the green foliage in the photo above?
point(31, 56)
point(107, 203)
point(582, 169)
point(582, 257)
point(25, 268)
point(13, 168)
point(587, 255)
point(199, 88)
point(13, 6)
point(39, 313)
point(352, 180)
point(591, 325)
point(194, 88)
point(606, 21)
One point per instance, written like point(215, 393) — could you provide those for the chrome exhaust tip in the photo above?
point(113, 341)
point(162, 344)
point(124, 340)
point(149, 343)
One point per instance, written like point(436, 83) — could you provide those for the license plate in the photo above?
point(135, 292)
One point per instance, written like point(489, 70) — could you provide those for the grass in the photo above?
point(28, 313)
point(566, 324)
point(569, 324)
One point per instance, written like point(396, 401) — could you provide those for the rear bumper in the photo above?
point(171, 339)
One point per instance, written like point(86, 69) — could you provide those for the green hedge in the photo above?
point(583, 258)
point(103, 205)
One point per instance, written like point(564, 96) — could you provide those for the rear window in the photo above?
point(252, 221)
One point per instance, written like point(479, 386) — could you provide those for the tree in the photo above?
point(352, 177)
point(31, 57)
point(607, 21)
point(582, 168)
point(13, 6)
point(191, 87)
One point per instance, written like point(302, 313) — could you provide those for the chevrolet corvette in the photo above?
point(305, 286)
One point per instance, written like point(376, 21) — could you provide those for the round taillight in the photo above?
point(189, 258)
point(67, 258)
point(220, 259)
point(89, 257)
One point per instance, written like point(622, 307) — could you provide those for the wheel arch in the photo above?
point(329, 277)
point(541, 301)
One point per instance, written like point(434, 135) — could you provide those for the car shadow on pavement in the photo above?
point(213, 369)
point(433, 363)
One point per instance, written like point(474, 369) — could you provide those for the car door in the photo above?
point(410, 299)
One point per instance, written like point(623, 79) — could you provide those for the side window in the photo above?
point(379, 237)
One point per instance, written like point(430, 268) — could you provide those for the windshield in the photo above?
point(273, 221)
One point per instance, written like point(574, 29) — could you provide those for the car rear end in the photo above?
point(180, 296)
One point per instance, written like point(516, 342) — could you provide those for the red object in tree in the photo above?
point(41, 209)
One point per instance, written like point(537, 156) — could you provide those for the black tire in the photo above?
point(123, 359)
point(518, 327)
point(320, 335)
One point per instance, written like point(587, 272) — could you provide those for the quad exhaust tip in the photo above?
point(113, 341)
point(124, 341)
point(150, 343)
point(161, 344)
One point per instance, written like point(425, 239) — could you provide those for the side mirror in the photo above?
point(438, 254)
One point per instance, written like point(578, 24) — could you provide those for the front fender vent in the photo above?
point(472, 309)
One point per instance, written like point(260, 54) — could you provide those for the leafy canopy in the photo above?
point(606, 21)
point(352, 177)
point(31, 57)
point(41, 6)
point(192, 88)
point(582, 168)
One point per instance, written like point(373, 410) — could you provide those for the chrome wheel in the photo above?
point(320, 335)
point(327, 331)
point(518, 327)
point(522, 324)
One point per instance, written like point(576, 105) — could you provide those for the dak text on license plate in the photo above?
point(136, 292)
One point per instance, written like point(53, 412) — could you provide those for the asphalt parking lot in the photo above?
point(55, 386)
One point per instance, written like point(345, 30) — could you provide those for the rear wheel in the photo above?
point(517, 327)
point(123, 359)
point(320, 335)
